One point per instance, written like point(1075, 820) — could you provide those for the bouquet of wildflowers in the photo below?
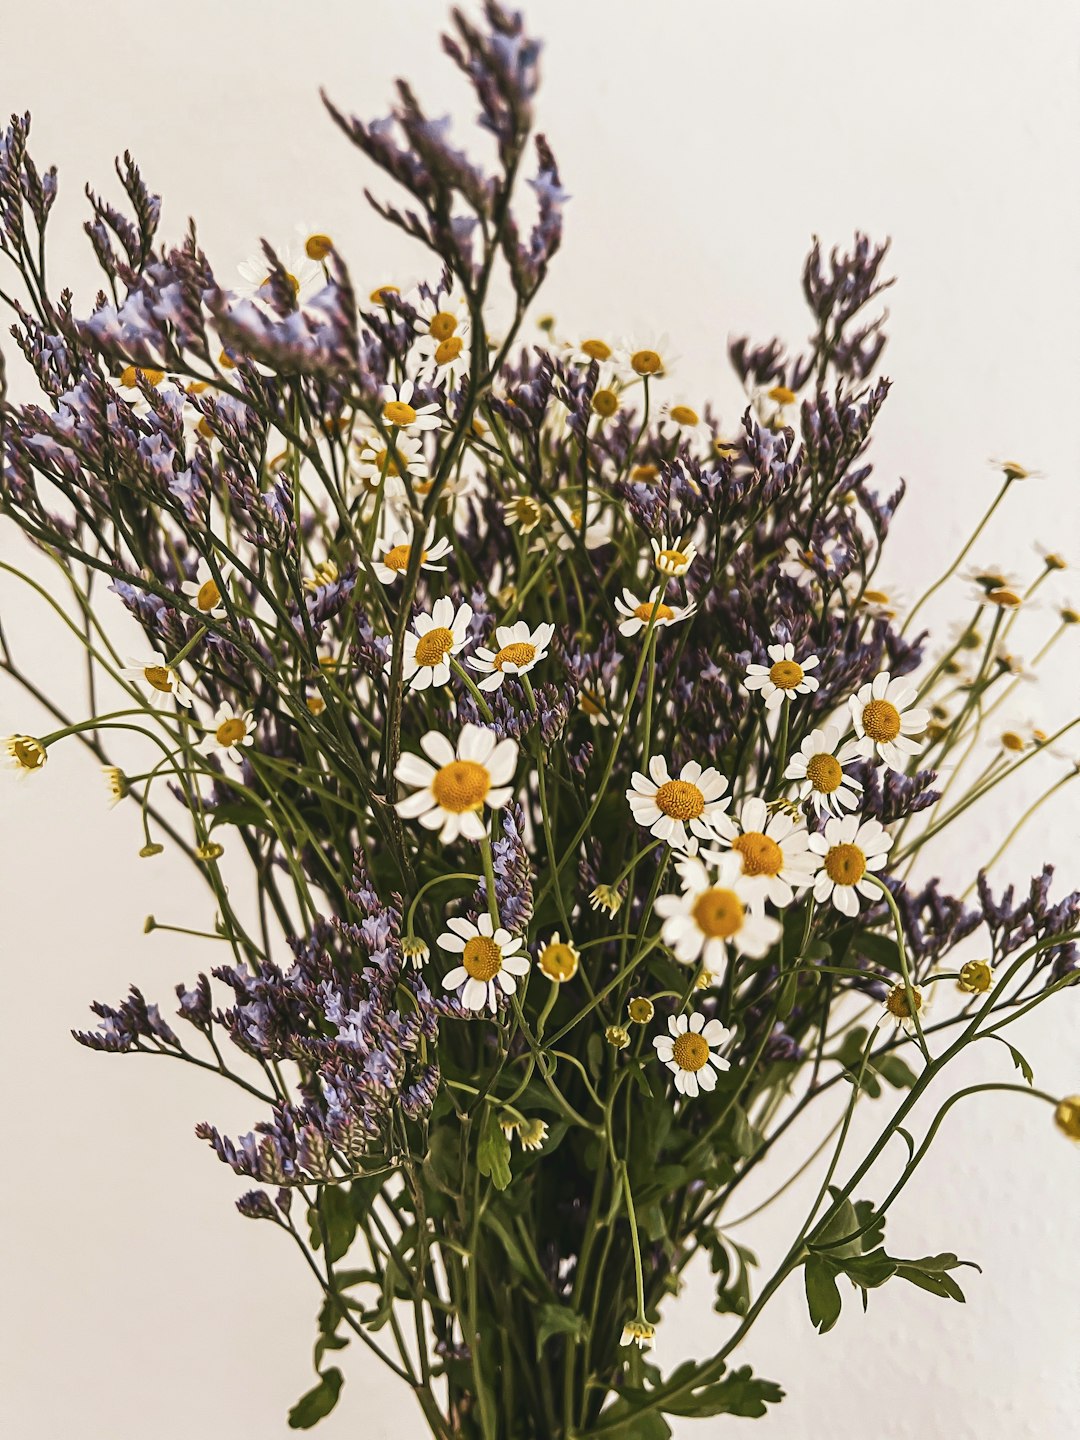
point(587, 773)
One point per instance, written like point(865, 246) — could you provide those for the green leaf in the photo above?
point(1020, 1063)
point(881, 949)
point(871, 1270)
point(650, 1426)
point(338, 1220)
point(559, 1320)
point(842, 1223)
point(442, 1164)
point(738, 1393)
point(317, 1403)
point(895, 1071)
point(493, 1150)
point(822, 1293)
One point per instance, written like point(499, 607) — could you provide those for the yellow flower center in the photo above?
point(482, 958)
point(876, 597)
point(1014, 471)
point(782, 395)
point(596, 349)
point(976, 977)
point(27, 752)
point(130, 375)
point(760, 855)
point(397, 557)
point(683, 415)
point(1067, 1116)
point(845, 864)
point(461, 786)
point(160, 677)
point(208, 597)
point(605, 403)
point(644, 611)
point(559, 962)
point(645, 474)
point(718, 913)
point(315, 704)
point(524, 510)
point(229, 732)
point(294, 283)
point(590, 703)
point(646, 362)
point(378, 297)
point(786, 674)
point(1010, 740)
point(1003, 596)
point(385, 464)
point(397, 412)
point(881, 720)
point(442, 325)
point(640, 1009)
point(680, 799)
point(824, 773)
point(448, 350)
point(671, 560)
point(897, 1002)
point(691, 1051)
point(519, 654)
point(318, 247)
point(434, 646)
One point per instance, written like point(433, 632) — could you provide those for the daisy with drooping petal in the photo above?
point(639, 612)
point(399, 411)
point(161, 680)
point(904, 1009)
point(672, 557)
point(491, 959)
point(24, 754)
point(449, 794)
point(520, 649)
point(884, 720)
point(775, 849)
point(642, 1334)
point(849, 850)
point(391, 558)
point(666, 807)
point(718, 910)
point(204, 592)
point(689, 1051)
point(230, 731)
point(558, 959)
point(430, 643)
point(785, 678)
point(524, 513)
point(379, 463)
point(819, 767)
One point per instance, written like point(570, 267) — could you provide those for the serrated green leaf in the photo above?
point(317, 1403)
point(559, 1320)
point(493, 1150)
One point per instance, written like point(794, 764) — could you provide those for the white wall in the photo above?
point(703, 143)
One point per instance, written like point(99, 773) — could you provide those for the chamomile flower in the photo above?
point(568, 527)
point(805, 565)
point(399, 411)
point(639, 612)
point(231, 731)
point(785, 678)
point(649, 358)
point(443, 346)
point(718, 911)
point(668, 807)
point(520, 650)
point(451, 792)
point(391, 558)
point(642, 1334)
point(690, 1051)
point(849, 851)
point(819, 769)
point(491, 961)
point(440, 315)
point(524, 513)
point(589, 351)
point(162, 681)
point(380, 463)
point(117, 784)
point(301, 271)
point(430, 643)
point(24, 754)
point(204, 592)
point(673, 557)
point(875, 600)
point(532, 1134)
point(683, 423)
point(904, 1009)
point(558, 959)
point(885, 721)
point(128, 386)
point(775, 849)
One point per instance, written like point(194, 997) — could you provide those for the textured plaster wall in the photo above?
point(704, 144)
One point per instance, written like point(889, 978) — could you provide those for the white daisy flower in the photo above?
point(785, 678)
point(230, 731)
point(639, 1333)
point(377, 463)
point(391, 558)
point(597, 524)
point(443, 346)
point(849, 850)
point(775, 849)
point(127, 385)
point(819, 767)
point(450, 794)
point(558, 959)
point(301, 271)
point(673, 557)
point(162, 681)
point(639, 612)
point(491, 958)
point(899, 1007)
point(203, 590)
point(585, 352)
point(689, 1051)
point(718, 910)
point(23, 753)
point(524, 513)
point(666, 806)
point(651, 358)
point(884, 720)
point(801, 564)
point(399, 411)
point(520, 649)
point(439, 316)
point(430, 643)
point(685, 424)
